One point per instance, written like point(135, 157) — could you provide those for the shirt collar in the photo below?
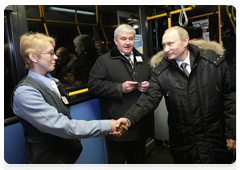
point(130, 54)
point(44, 80)
point(187, 60)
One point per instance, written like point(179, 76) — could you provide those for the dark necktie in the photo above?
point(183, 66)
point(131, 62)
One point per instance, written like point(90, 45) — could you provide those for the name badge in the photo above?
point(64, 99)
point(139, 58)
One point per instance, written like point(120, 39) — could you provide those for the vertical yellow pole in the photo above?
point(219, 25)
point(103, 30)
point(169, 22)
point(96, 7)
point(77, 22)
point(41, 9)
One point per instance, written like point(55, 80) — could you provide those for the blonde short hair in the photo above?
point(33, 43)
point(181, 32)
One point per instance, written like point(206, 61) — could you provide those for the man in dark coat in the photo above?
point(200, 99)
point(87, 56)
point(100, 47)
point(119, 85)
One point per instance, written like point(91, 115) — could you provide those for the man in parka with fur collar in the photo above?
point(201, 106)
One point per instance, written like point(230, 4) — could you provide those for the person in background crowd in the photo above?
point(63, 63)
point(87, 56)
point(229, 43)
point(118, 78)
point(100, 47)
point(39, 101)
point(72, 80)
point(200, 94)
point(195, 33)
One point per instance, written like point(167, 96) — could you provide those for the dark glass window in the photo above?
point(60, 25)
point(8, 72)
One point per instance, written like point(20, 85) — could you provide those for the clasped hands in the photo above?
point(119, 127)
point(128, 86)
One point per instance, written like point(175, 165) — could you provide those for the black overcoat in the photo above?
point(201, 107)
point(108, 74)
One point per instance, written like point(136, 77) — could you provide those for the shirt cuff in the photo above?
point(129, 122)
point(105, 127)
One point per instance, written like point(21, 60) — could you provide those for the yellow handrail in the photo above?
point(96, 7)
point(203, 15)
point(169, 22)
point(103, 30)
point(41, 10)
point(171, 13)
point(60, 22)
point(77, 22)
point(74, 23)
point(234, 18)
point(78, 92)
point(219, 25)
point(229, 16)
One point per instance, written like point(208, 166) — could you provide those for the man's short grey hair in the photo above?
point(125, 28)
point(85, 40)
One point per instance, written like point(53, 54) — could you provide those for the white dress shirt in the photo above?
point(131, 56)
point(187, 60)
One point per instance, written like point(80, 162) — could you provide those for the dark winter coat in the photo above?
point(201, 107)
point(84, 63)
point(108, 74)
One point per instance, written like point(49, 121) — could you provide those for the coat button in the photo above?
point(218, 58)
point(198, 161)
point(215, 62)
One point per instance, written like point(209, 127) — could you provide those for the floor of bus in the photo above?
point(160, 158)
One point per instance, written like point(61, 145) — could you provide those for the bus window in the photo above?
point(8, 74)
point(60, 22)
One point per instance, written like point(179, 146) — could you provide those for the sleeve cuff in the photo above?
point(105, 127)
point(129, 122)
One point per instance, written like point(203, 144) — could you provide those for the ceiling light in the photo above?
point(71, 11)
point(135, 26)
point(131, 19)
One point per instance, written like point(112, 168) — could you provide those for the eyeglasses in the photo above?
point(50, 53)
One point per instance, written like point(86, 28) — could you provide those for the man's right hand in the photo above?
point(128, 86)
point(122, 122)
point(231, 144)
point(117, 130)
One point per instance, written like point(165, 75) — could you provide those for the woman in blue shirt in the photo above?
point(42, 108)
